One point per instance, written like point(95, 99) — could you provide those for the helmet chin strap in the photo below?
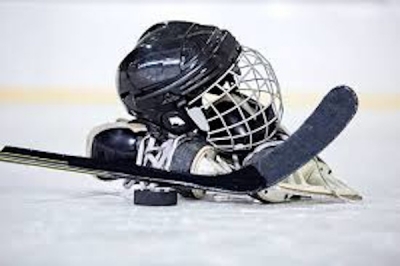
point(198, 118)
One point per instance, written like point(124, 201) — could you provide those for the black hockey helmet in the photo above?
point(172, 63)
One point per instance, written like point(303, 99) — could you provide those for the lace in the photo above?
point(153, 155)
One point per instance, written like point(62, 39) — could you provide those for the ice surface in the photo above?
point(56, 218)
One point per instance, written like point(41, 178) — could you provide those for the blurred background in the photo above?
point(72, 48)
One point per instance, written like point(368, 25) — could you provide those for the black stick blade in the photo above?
point(329, 119)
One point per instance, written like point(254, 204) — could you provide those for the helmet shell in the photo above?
point(172, 63)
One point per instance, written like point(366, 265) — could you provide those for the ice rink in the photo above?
point(58, 62)
point(56, 218)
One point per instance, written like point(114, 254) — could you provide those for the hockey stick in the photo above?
point(242, 181)
point(268, 168)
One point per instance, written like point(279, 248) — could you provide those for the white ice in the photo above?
point(56, 218)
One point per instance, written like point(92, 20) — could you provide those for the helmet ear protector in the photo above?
point(177, 122)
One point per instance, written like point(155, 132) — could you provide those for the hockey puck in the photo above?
point(161, 197)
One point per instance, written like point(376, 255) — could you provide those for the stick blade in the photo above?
point(328, 120)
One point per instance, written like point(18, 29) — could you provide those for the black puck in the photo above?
point(159, 197)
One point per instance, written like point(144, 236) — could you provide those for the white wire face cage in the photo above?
point(243, 108)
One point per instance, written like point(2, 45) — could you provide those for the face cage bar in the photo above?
point(255, 80)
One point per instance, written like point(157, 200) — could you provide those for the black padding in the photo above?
point(182, 161)
point(185, 153)
point(115, 145)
